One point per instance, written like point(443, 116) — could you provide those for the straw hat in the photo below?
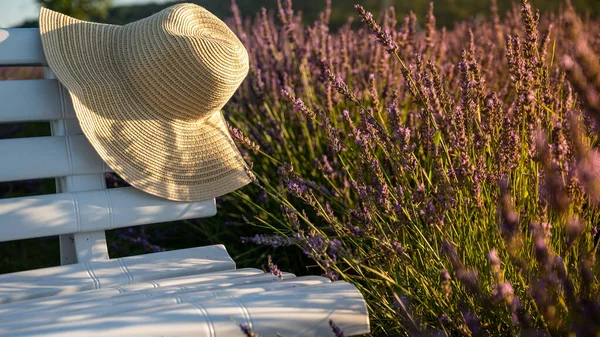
point(148, 96)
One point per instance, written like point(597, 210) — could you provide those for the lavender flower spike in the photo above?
point(274, 269)
point(268, 240)
point(384, 37)
point(336, 330)
point(247, 331)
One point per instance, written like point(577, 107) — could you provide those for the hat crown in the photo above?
point(186, 60)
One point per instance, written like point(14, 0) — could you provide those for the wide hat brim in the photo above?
point(175, 159)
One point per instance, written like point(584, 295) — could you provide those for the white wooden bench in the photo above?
point(189, 292)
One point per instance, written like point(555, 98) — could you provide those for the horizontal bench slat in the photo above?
point(172, 295)
point(235, 284)
point(239, 287)
point(21, 47)
point(48, 157)
point(114, 272)
point(33, 101)
point(298, 311)
point(89, 211)
point(13, 310)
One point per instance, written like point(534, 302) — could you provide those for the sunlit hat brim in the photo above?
point(174, 159)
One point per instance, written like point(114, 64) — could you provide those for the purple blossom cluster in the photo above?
point(138, 236)
point(247, 331)
point(455, 168)
point(268, 240)
point(383, 36)
point(273, 269)
point(336, 330)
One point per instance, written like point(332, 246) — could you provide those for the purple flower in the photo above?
point(504, 292)
point(336, 330)
point(335, 249)
point(589, 173)
point(268, 240)
point(298, 104)
point(273, 269)
point(330, 274)
point(241, 139)
point(248, 331)
point(341, 86)
point(297, 189)
point(574, 229)
point(398, 249)
point(316, 243)
point(383, 36)
point(494, 258)
point(472, 322)
point(263, 197)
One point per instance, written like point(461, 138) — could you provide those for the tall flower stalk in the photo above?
point(449, 174)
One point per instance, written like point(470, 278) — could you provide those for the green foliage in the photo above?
point(80, 9)
point(448, 11)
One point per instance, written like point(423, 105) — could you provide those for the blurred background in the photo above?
point(23, 13)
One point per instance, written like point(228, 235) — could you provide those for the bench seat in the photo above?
point(294, 307)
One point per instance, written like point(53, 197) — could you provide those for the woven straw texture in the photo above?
point(148, 96)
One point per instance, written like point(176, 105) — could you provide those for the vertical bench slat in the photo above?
point(77, 247)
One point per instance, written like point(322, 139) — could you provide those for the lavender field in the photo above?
point(452, 175)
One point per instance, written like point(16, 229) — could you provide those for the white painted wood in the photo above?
point(91, 246)
point(21, 46)
point(48, 157)
point(68, 254)
point(87, 246)
point(232, 286)
point(72, 278)
point(208, 280)
point(89, 211)
point(186, 293)
point(31, 101)
point(299, 311)
point(68, 250)
point(92, 310)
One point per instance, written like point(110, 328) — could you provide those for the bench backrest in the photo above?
point(83, 208)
